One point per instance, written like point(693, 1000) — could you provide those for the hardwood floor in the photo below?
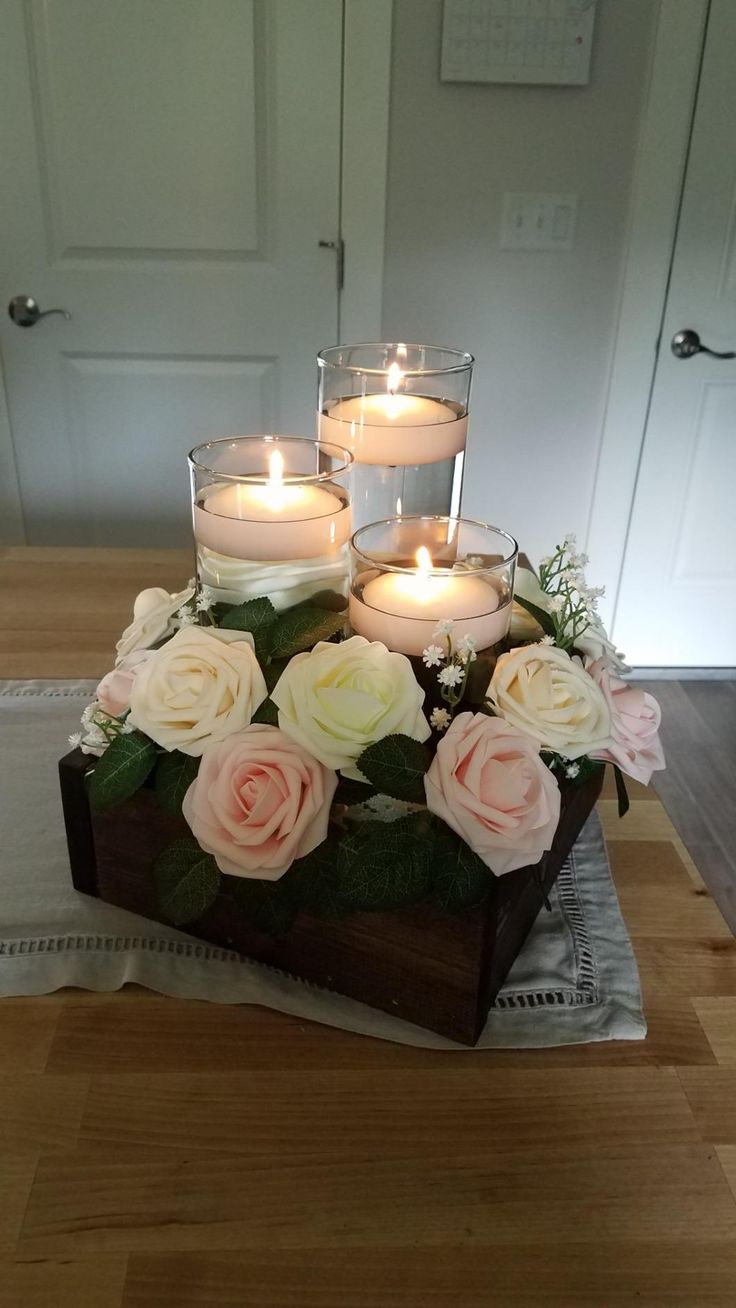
point(698, 788)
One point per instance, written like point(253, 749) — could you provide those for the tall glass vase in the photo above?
point(402, 411)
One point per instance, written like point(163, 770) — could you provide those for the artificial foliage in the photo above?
point(381, 846)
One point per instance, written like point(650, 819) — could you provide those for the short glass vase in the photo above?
point(410, 574)
point(271, 516)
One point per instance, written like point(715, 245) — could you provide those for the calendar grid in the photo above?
point(527, 41)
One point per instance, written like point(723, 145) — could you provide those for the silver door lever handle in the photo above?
point(26, 313)
point(686, 343)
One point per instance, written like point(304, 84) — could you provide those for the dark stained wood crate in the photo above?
point(436, 969)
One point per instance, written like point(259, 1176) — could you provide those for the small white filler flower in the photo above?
point(433, 655)
point(440, 719)
point(466, 649)
point(452, 675)
point(444, 627)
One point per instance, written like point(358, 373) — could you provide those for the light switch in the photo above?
point(538, 222)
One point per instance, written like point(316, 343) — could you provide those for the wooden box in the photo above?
point(436, 969)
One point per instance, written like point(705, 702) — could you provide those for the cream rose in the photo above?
point(258, 802)
point(199, 687)
point(635, 717)
point(153, 619)
point(113, 692)
point(489, 784)
point(338, 699)
point(551, 697)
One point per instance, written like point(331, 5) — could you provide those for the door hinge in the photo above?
point(339, 247)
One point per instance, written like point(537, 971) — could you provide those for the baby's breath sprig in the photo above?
point(454, 665)
point(197, 610)
point(573, 604)
point(99, 729)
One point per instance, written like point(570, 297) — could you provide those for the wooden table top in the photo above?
point(162, 1152)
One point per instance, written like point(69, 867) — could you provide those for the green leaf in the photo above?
point(540, 615)
point(319, 879)
point(353, 792)
point(175, 773)
point(396, 766)
point(623, 798)
point(267, 713)
point(460, 879)
point(258, 616)
point(271, 906)
point(384, 865)
point(333, 600)
point(301, 628)
point(121, 770)
point(187, 881)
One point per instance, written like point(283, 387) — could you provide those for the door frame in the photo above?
point(653, 216)
point(366, 81)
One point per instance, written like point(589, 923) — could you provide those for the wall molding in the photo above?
point(658, 183)
point(12, 526)
point(365, 124)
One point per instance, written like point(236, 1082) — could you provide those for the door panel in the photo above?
point(111, 183)
point(112, 402)
point(171, 168)
point(677, 603)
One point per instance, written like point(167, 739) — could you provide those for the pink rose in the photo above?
point(635, 717)
point(489, 784)
point(113, 692)
point(259, 801)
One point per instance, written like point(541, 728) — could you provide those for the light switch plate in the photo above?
point(538, 222)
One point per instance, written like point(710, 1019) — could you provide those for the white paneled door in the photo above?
point(169, 168)
point(677, 603)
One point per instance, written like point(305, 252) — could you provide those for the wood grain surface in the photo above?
point(163, 1152)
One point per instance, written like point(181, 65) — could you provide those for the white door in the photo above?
point(168, 169)
point(677, 603)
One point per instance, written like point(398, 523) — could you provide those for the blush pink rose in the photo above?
point(113, 692)
point(489, 784)
point(635, 717)
point(258, 802)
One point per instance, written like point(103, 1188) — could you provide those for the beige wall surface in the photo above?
point(540, 323)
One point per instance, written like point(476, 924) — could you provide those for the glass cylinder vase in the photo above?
point(402, 411)
point(271, 516)
point(411, 573)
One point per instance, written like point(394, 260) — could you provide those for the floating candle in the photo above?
point(402, 609)
point(271, 519)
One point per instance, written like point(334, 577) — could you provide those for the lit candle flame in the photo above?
point(276, 470)
point(394, 378)
point(275, 484)
point(424, 564)
point(424, 561)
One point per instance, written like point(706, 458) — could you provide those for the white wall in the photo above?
point(541, 324)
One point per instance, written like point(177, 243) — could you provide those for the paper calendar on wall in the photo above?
point(547, 42)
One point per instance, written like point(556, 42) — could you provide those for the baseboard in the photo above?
point(682, 674)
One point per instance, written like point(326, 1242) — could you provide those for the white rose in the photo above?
point(233, 581)
point(153, 619)
point(196, 689)
point(551, 697)
point(336, 700)
point(523, 625)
